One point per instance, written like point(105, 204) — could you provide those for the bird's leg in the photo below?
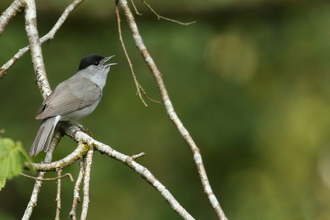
point(81, 127)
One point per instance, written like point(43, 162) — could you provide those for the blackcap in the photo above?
point(72, 99)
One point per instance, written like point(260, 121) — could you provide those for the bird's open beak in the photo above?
point(107, 59)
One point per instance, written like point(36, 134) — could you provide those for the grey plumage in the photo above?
point(72, 99)
point(44, 136)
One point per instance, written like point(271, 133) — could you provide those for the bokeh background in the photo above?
point(250, 81)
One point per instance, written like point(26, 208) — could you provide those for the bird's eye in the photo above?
point(96, 63)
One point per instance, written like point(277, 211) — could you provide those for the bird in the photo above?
point(72, 99)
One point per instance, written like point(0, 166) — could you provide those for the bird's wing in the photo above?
point(71, 95)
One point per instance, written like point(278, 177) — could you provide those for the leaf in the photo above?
point(2, 183)
point(12, 157)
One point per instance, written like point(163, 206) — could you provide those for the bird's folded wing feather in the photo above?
point(71, 95)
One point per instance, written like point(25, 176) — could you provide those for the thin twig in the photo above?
point(49, 36)
point(138, 86)
point(76, 189)
point(135, 9)
point(49, 179)
point(165, 18)
point(145, 94)
point(58, 196)
point(170, 109)
point(136, 156)
point(87, 177)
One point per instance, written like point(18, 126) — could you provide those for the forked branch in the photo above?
point(90, 143)
point(49, 36)
point(170, 109)
point(159, 17)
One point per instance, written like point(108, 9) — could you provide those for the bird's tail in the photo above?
point(44, 136)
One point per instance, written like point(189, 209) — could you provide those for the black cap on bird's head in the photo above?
point(92, 59)
point(95, 59)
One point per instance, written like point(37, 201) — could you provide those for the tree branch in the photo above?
point(49, 179)
point(159, 17)
point(88, 143)
point(76, 197)
point(35, 46)
point(37, 185)
point(58, 196)
point(15, 8)
point(38, 65)
point(170, 109)
point(49, 36)
point(87, 177)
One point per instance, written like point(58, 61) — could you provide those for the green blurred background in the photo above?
point(250, 81)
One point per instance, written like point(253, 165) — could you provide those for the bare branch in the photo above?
point(135, 9)
point(87, 177)
point(128, 59)
point(49, 179)
point(37, 185)
point(76, 197)
point(138, 86)
point(38, 65)
point(170, 109)
point(35, 46)
point(136, 156)
point(58, 195)
point(77, 154)
point(15, 8)
point(165, 18)
point(49, 36)
point(89, 142)
point(34, 197)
